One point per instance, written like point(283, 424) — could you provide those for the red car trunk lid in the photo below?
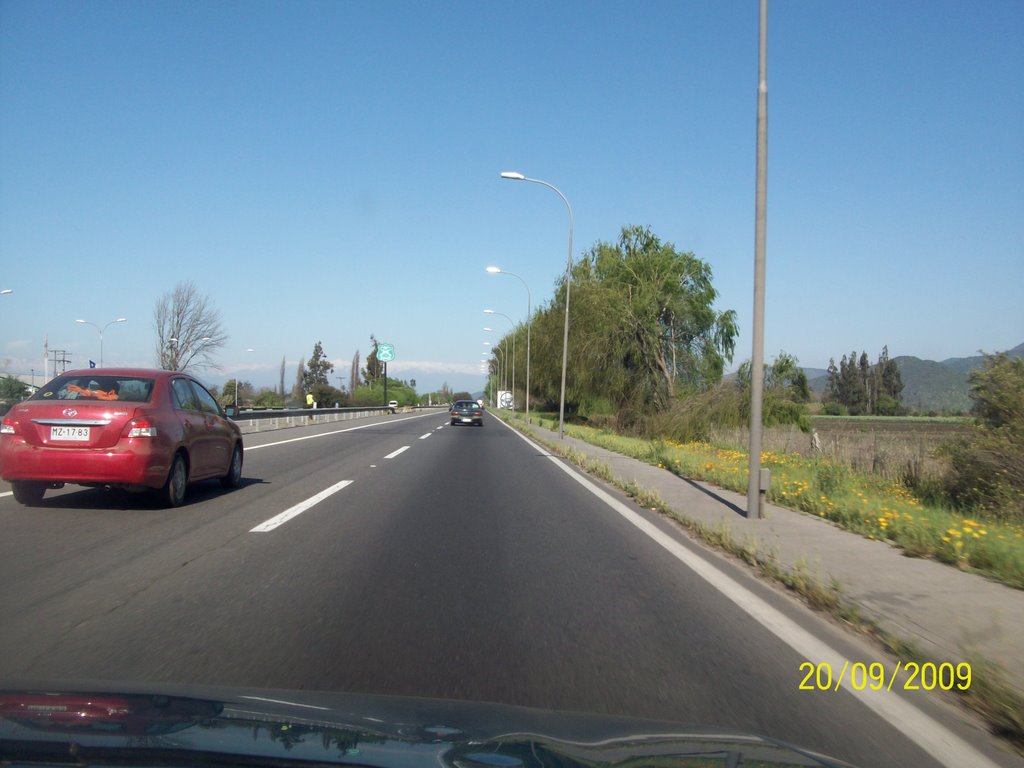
point(72, 425)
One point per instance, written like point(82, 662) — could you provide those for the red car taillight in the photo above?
point(9, 426)
point(139, 427)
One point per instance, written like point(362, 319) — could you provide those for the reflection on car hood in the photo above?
point(176, 725)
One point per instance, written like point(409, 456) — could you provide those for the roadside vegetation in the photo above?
point(860, 502)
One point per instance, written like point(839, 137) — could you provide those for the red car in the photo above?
point(130, 428)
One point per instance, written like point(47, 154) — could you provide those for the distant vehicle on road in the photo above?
point(467, 412)
point(393, 405)
point(131, 428)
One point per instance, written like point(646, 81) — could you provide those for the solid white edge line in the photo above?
point(333, 432)
point(392, 455)
point(934, 738)
point(6, 493)
point(282, 518)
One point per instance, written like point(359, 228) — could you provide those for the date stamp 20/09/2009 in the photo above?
point(875, 676)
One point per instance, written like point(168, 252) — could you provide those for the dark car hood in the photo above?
point(177, 725)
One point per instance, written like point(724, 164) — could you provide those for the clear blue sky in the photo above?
point(328, 170)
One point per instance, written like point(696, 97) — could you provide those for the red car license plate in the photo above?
point(73, 434)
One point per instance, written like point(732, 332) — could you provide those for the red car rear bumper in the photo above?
point(131, 463)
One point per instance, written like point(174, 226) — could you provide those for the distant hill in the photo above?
point(928, 385)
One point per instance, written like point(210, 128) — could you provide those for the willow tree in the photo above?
point(643, 323)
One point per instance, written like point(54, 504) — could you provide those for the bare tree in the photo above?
point(188, 329)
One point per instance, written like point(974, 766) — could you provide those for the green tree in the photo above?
point(857, 387)
point(988, 465)
point(374, 368)
point(353, 376)
point(832, 390)
point(268, 398)
point(786, 393)
point(245, 392)
point(852, 391)
point(326, 396)
point(298, 395)
point(317, 369)
point(373, 394)
point(864, 385)
point(643, 327)
point(13, 389)
point(890, 385)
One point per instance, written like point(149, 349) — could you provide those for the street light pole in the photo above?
point(529, 321)
point(760, 222)
point(101, 330)
point(515, 176)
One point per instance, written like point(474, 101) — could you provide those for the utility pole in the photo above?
point(760, 224)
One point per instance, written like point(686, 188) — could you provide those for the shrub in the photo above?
point(988, 464)
point(829, 477)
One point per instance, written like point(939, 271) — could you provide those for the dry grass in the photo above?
point(897, 449)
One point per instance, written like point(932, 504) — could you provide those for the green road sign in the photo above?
point(385, 352)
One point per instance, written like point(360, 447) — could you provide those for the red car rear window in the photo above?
point(98, 388)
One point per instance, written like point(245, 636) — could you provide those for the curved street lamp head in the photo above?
point(488, 311)
point(6, 291)
point(514, 175)
point(493, 270)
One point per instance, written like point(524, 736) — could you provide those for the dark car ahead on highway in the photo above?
point(132, 428)
point(467, 412)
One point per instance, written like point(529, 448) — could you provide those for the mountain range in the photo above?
point(927, 385)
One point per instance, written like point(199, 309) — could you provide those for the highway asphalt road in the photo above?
point(400, 555)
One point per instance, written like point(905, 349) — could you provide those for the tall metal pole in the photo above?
point(760, 224)
point(568, 280)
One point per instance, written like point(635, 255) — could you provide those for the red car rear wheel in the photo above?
point(172, 494)
point(28, 492)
